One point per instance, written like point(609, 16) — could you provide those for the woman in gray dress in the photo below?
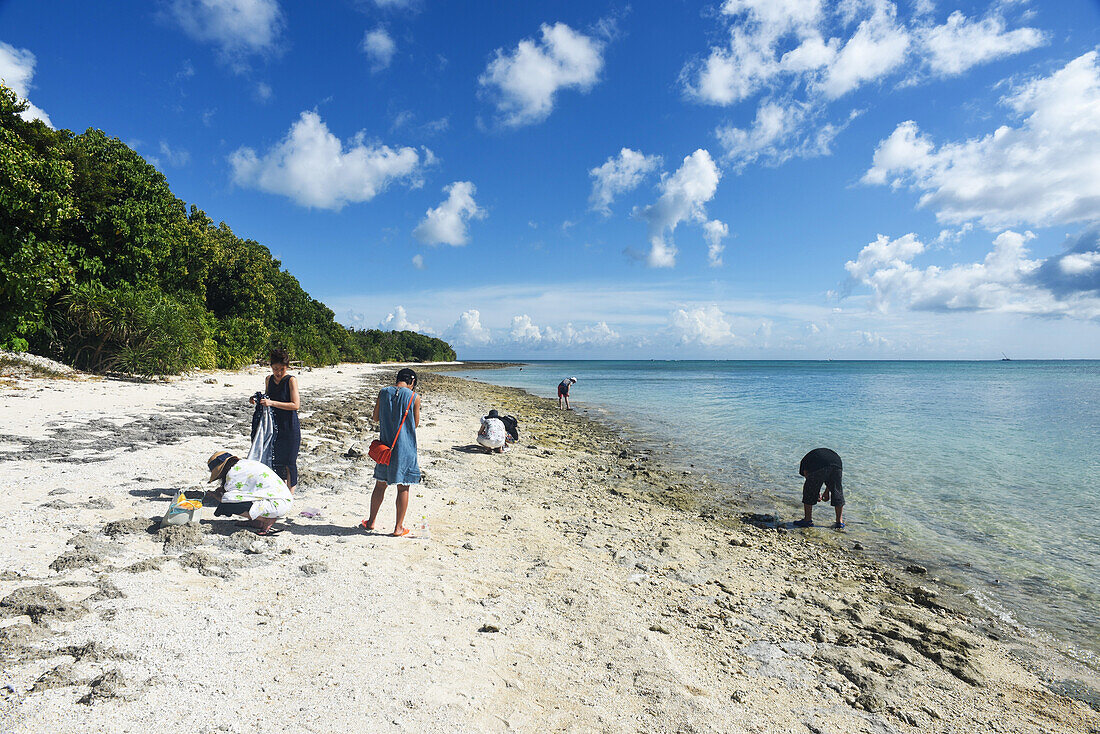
point(398, 414)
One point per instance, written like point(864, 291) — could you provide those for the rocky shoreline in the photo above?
point(575, 583)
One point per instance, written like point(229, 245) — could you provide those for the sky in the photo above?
point(747, 179)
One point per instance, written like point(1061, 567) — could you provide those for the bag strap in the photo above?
point(402, 424)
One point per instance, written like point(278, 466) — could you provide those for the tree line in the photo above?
point(103, 268)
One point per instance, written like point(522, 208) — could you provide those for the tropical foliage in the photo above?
point(101, 266)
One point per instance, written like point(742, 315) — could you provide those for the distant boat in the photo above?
point(1005, 358)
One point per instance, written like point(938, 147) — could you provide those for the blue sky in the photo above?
point(742, 179)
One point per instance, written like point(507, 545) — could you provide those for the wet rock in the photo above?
point(178, 537)
point(314, 568)
point(243, 540)
point(857, 546)
point(354, 452)
point(40, 603)
point(468, 546)
point(489, 627)
point(658, 628)
point(108, 685)
point(74, 559)
point(117, 528)
point(916, 568)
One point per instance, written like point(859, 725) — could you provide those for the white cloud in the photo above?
point(1005, 281)
point(714, 232)
point(418, 262)
point(526, 80)
point(877, 48)
point(174, 157)
point(236, 27)
point(1041, 173)
point(707, 326)
point(1080, 263)
point(16, 72)
point(264, 92)
point(311, 166)
point(398, 320)
point(523, 330)
point(446, 224)
point(801, 56)
point(683, 196)
point(961, 43)
point(619, 175)
point(468, 331)
point(379, 48)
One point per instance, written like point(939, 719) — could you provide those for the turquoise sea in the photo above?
point(988, 473)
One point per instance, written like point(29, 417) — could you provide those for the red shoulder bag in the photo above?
point(379, 451)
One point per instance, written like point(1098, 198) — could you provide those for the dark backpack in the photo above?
point(511, 425)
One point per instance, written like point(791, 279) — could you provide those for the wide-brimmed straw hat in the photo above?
point(216, 462)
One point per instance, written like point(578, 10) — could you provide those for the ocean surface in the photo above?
point(988, 473)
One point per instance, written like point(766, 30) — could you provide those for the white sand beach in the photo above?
point(573, 584)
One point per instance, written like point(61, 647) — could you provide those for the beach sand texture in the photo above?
point(573, 584)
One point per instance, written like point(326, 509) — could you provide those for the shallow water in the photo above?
point(989, 472)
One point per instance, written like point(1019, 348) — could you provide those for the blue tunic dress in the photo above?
point(403, 467)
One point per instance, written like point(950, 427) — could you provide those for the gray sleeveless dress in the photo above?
point(403, 467)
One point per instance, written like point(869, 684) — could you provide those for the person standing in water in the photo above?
point(281, 390)
point(821, 467)
point(397, 413)
point(563, 391)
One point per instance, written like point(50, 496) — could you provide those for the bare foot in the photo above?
point(400, 531)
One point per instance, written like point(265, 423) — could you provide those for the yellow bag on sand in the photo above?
point(182, 510)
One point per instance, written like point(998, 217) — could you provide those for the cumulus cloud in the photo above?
point(379, 48)
point(1005, 281)
point(526, 80)
point(446, 223)
point(16, 72)
point(418, 262)
point(398, 320)
point(705, 325)
point(237, 27)
point(683, 196)
point(468, 331)
point(802, 56)
point(618, 175)
point(1042, 172)
point(311, 166)
point(523, 330)
point(962, 43)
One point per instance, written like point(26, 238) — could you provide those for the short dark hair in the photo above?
point(406, 375)
point(279, 356)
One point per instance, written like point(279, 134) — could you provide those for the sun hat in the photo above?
point(572, 379)
point(493, 414)
point(216, 462)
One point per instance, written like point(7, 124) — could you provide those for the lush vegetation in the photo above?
point(102, 267)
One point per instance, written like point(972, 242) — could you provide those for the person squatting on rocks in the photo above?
point(497, 431)
point(250, 489)
point(563, 391)
point(821, 467)
point(397, 413)
point(281, 391)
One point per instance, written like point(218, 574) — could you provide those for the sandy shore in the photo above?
point(573, 584)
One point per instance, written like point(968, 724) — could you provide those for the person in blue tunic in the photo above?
point(398, 407)
point(281, 392)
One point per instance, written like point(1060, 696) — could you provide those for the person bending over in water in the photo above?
point(563, 391)
point(821, 467)
point(397, 408)
point(250, 489)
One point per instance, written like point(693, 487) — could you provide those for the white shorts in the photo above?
point(489, 443)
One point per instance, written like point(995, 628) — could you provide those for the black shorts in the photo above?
point(563, 392)
point(830, 476)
